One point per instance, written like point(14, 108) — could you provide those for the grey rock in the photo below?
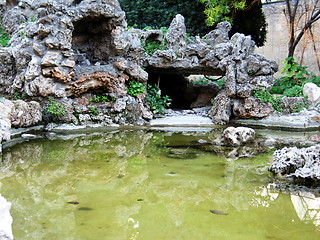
point(25, 114)
point(221, 110)
point(176, 36)
point(219, 35)
point(303, 165)
point(251, 108)
point(292, 104)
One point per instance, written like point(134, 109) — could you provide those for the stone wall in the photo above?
point(276, 47)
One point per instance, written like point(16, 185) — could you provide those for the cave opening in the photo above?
point(184, 92)
point(91, 41)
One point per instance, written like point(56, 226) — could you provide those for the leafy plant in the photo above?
point(295, 91)
point(102, 98)
point(151, 46)
point(157, 102)
point(93, 111)
point(4, 37)
point(135, 88)
point(298, 107)
point(19, 96)
point(295, 75)
point(55, 109)
point(265, 96)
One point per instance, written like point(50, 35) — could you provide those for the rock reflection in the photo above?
point(307, 206)
point(305, 202)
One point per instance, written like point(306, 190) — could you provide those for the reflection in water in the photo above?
point(307, 206)
point(141, 185)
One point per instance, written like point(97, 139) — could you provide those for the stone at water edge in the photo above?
point(238, 135)
point(301, 164)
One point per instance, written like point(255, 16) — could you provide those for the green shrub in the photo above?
point(298, 107)
point(93, 111)
point(295, 91)
point(4, 38)
point(102, 98)
point(55, 109)
point(265, 96)
point(151, 46)
point(157, 102)
point(19, 96)
point(135, 88)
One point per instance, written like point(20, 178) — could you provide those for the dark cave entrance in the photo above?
point(184, 93)
point(91, 41)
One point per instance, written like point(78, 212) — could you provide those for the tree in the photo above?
point(308, 12)
point(199, 15)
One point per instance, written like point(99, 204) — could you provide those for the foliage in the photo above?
point(150, 46)
point(298, 107)
point(222, 10)
point(4, 38)
point(102, 98)
point(240, 13)
point(55, 109)
point(93, 111)
point(295, 77)
point(135, 88)
point(295, 91)
point(19, 96)
point(157, 102)
point(265, 96)
point(158, 13)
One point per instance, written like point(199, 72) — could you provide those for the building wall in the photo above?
point(276, 47)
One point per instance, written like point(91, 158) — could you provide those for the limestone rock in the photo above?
point(25, 114)
point(221, 110)
point(303, 165)
point(237, 136)
point(5, 124)
point(5, 220)
point(176, 36)
point(292, 104)
point(219, 35)
point(251, 108)
point(312, 91)
point(98, 80)
point(7, 70)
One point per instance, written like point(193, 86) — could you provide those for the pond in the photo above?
point(143, 184)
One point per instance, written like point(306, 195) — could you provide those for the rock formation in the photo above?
point(301, 165)
point(216, 55)
point(73, 51)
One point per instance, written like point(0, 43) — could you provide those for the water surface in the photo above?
point(148, 185)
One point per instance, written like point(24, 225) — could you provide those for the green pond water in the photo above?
point(148, 185)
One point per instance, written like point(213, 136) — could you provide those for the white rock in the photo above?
point(238, 135)
point(312, 91)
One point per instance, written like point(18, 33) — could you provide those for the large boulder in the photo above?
point(301, 165)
